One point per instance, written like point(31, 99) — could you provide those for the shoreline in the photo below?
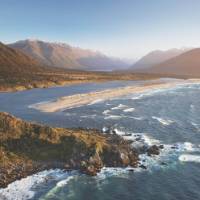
point(52, 80)
point(47, 85)
point(77, 100)
point(27, 148)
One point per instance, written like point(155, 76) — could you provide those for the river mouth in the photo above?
point(169, 117)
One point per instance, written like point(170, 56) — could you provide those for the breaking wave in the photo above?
point(165, 122)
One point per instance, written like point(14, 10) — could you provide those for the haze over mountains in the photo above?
point(156, 57)
point(68, 57)
point(34, 55)
point(187, 63)
point(172, 62)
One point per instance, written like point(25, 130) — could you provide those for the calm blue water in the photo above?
point(170, 117)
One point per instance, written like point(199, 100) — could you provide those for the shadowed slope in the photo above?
point(66, 56)
point(16, 61)
point(156, 57)
point(185, 64)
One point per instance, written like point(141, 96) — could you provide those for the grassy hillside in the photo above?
point(26, 148)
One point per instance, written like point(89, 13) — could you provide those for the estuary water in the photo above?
point(167, 116)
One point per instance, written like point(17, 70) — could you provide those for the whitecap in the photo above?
point(64, 182)
point(129, 110)
point(113, 117)
point(119, 132)
point(88, 116)
point(189, 158)
point(141, 137)
point(165, 122)
point(119, 107)
point(192, 106)
point(137, 118)
point(115, 171)
point(105, 112)
point(149, 140)
point(186, 146)
point(195, 125)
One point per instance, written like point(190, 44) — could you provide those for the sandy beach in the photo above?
point(77, 100)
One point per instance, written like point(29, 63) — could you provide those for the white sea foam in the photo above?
point(142, 137)
point(192, 106)
point(119, 107)
point(187, 146)
point(113, 117)
point(149, 140)
point(23, 189)
point(147, 93)
point(168, 155)
point(195, 125)
point(129, 110)
point(155, 91)
point(119, 132)
point(88, 116)
point(37, 104)
point(165, 122)
point(115, 171)
point(96, 101)
point(64, 182)
point(189, 158)
point(137, 118)
point(105, 112)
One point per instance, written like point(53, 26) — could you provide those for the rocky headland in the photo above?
point(27, 148)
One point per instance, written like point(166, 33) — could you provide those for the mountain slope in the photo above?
point(156, 57)
point(187, 63)
point(65, 56)
point(12, 60)
point(19, 72)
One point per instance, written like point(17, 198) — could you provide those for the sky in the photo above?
point(119, 28)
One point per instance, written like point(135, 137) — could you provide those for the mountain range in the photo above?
point(27, 56)
point(68, 57)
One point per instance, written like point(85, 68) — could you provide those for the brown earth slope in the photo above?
point(156, 57)
point(185, 64)
point(16, 61)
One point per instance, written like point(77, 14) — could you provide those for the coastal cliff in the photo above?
point(26, 148)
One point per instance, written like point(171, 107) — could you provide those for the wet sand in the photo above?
point(77, 100)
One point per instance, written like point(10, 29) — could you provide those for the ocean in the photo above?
point(170, 117)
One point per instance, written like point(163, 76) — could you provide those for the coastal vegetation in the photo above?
point(26, 148)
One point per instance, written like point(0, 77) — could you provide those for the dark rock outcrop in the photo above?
point(153, 150)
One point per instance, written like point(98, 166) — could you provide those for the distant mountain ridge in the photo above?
point(156, 57)
point(65, 56)
point(187, 63)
